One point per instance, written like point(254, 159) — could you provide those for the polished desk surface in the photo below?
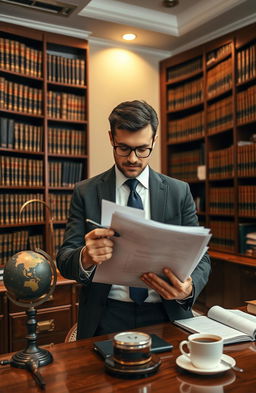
point(77, 368)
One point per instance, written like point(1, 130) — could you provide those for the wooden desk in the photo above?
point(77, 368)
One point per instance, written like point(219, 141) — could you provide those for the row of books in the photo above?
point(218, 53)
point(246, 63)
point(66, 141)
point(247, 238)
point(184, 95)
point(58, 238)
point(221, 200)
point(60, 206)
point(246, 105)
point(220, 116)
point(20, 136)
point(11, 203)
point(11, 243)
point(223, 236)
point(188, 128)
point(183, 165)
point(20, 97)
point(221, 163)
point(65, 70)
point(219, 78)
point(247, 200)
point(246, 159)
point(64, 174)
point(17, 171)
point(65, 106)
point(184, 69)
point(18, 57)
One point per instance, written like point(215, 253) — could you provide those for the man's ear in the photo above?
point(155, 139)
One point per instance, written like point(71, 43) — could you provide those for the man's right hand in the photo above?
point(99, 247)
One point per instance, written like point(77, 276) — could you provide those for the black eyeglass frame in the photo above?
point(115, 147)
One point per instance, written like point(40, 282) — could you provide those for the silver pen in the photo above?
point(97, 225)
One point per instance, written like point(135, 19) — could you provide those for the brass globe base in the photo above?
point(21, 358)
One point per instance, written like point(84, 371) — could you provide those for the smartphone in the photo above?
point(105, 347)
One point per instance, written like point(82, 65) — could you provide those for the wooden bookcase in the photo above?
point(43, 134)
point(208, 117)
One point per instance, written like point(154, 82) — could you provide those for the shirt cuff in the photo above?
point(184, 301)
point(84, 274)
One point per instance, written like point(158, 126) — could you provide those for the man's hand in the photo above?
point(99, 247)
point(174, 289)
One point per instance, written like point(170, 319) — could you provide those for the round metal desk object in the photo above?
point(132, 356)
point(132, 348)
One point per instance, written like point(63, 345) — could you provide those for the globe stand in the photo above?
point(32, 351)
point(32, 356)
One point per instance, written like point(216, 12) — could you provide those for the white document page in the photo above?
point(149, 246)
point(108, 208)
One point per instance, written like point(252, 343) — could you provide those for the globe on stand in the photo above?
point(30, 279)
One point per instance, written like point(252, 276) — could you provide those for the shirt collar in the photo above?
point(143, 177)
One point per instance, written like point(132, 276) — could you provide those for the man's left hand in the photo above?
point(174, 289)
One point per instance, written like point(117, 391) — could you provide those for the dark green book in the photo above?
point(3, 132)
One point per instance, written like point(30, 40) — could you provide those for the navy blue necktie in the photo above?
point(138, 295)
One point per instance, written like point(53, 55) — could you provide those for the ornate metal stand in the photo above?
point(32, 351)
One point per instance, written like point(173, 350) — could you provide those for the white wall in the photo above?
point(116, 75)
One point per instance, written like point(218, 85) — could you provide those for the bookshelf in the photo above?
point(208, 117)
point(43, 133)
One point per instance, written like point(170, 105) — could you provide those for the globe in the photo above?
point(27, 276)
point(30, 279)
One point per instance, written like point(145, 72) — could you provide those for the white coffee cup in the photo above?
point(204, 350)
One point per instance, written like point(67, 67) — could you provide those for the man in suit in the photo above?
point(104, 308)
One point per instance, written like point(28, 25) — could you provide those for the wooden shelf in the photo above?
point(184, 78)
point(67, 120)
point(233, 258)
point(69, 85)
point(19, 74)
point(218, 60)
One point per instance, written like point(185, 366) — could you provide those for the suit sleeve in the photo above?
point(69, 253)
point(201, 273)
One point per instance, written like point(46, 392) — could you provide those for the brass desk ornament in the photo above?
point(52, 242)
point(132, 357)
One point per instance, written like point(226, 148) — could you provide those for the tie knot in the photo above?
point(132, 184)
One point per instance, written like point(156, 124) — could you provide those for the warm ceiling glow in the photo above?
point(129, 37)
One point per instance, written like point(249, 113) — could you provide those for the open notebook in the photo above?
point(233, 325)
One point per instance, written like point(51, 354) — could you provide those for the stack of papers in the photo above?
point(148, 246)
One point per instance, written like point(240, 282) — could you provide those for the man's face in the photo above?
point(131, 166)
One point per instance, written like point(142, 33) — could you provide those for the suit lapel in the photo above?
point(157, 190)
point(106, 188)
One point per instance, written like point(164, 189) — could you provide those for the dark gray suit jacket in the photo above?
point(171, 202)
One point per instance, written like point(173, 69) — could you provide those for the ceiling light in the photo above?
point(170, 3)
point(129, 36)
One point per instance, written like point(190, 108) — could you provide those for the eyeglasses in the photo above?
point(140, 152)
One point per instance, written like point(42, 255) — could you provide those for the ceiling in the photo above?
point(157, 27)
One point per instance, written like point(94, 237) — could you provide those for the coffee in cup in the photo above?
point(204, 350)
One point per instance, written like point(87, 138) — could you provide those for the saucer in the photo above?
point(185, 363)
